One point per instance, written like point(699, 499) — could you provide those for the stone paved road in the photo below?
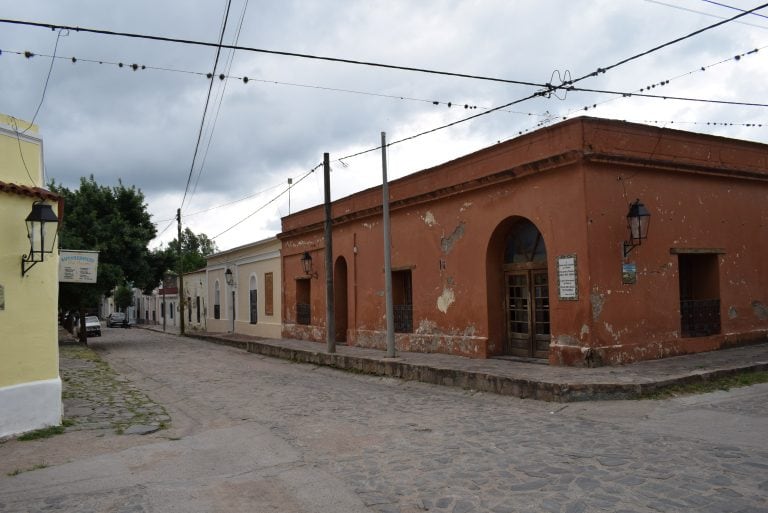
point(255, 434)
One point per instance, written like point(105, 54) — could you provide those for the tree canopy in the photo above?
point(113, 221)
point(195, 248)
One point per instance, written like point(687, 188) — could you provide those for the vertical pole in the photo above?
point(330, 323)
point(181, 274)
point(165, 310)
point(387, 251)
point(290, 185)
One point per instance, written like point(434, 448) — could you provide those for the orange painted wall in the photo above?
point(574, 181)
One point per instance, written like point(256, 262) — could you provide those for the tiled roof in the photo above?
point(25, 190)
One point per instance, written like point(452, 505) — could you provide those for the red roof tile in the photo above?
point(25, 190)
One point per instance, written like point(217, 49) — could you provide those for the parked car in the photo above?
point(116, 319)
point(92, 326)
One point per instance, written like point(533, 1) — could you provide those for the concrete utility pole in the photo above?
point(181, 274)
point(330, 321)
point(290, 185)
point(387, 251)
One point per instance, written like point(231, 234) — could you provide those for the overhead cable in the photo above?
point(207, 100)
point(271, 52)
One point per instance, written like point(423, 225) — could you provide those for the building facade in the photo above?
point(195, 300)
point(244, 290)
point(30, 387)
point(524, 249)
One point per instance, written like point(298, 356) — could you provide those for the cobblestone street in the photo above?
point(249, 433)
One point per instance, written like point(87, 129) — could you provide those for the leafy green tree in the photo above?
point(195, 249)
point(123, 297)
point(113, 221)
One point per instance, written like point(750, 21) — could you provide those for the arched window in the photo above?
point(524, 244)
point(253, 300)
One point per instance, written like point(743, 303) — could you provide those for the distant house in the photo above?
point(195, 292)
point(244, 290)
point(30, 387)
point(531, 248)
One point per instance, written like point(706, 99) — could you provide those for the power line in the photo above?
point(228, 68)
point(694, 11)
point(701, 69)
point(207, 99)
point(732, 8)
point(550, 89)
point(268, 202)
point(271, 52)
point(21, 153)
point(248, 80)
point(224, 204)
point(565, 85)
point(664, 45)
point(47, 78)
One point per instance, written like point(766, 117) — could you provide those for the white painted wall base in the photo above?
point(30, 406)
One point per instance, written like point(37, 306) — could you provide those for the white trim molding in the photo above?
point(30, 406)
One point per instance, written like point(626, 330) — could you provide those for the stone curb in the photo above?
point(480, 381)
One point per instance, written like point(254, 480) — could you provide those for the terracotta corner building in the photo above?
point(525, 249)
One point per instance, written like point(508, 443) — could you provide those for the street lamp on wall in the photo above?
point(228, 277)
point(306, 263)
point(42, 226)
point(638, 219)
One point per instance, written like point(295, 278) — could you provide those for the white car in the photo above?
point(92, 326)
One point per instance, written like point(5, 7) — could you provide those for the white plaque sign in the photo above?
point(78, 266)
point(567, 278)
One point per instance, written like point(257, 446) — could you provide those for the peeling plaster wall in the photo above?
point(689, 212)
point(445, 222)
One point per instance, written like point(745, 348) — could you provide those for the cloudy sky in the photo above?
point(141, 126)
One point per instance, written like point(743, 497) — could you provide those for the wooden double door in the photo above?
point(527, 309)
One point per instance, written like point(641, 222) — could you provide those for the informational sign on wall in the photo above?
point(78, 266)
point(567, 278)
point(629, 273)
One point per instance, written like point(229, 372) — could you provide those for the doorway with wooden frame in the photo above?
point(526, 292)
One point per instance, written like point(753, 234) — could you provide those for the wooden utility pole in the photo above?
point(181, 274)
point(330, 322)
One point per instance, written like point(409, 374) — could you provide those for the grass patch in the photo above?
point(742, 379)
point(42, 433)
point(19, 471)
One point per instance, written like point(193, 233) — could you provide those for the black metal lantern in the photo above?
point(228, 277)
point(42, 226)
point(638, 219)
point(306, 262)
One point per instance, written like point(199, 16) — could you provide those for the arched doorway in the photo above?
point(340, 299)
point(526, 291)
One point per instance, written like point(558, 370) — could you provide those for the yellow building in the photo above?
point(244, 290)
point(30, 387)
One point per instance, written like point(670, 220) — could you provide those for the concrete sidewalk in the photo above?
point(508, 377)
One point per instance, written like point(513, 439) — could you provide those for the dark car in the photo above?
point(92, 326)
point(116, 320)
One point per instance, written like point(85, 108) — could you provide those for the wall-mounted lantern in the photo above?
point(228, 277)
point(638, 219)
point(42, 226)
point(306, 263)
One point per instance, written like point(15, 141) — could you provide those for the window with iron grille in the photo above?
point(253, 297)
point(402, 301)
point(216, 301)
